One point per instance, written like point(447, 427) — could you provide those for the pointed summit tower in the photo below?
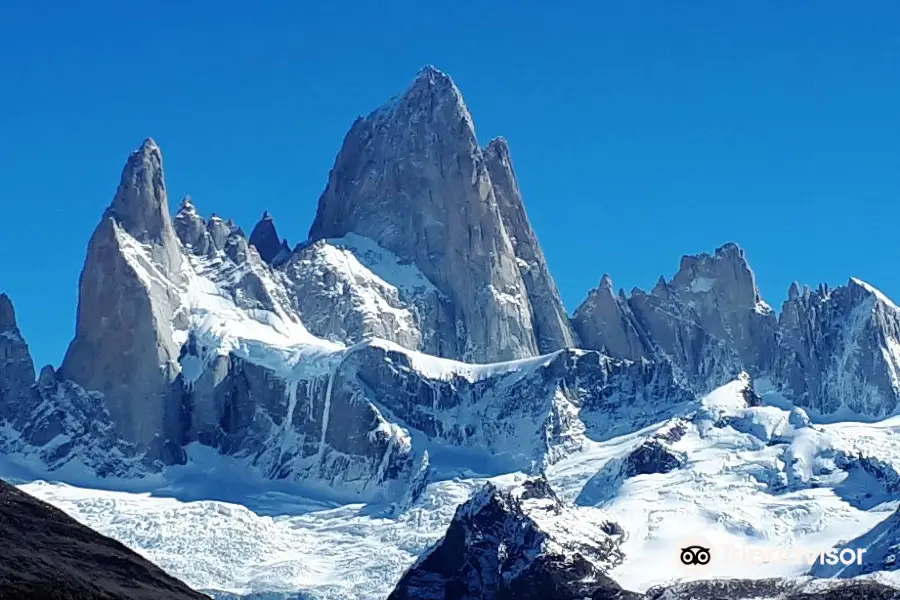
point(412, 178)
point(127, 303)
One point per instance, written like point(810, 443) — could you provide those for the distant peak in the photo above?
point(7, 313)
point(429, 92)
point(264, 238)
point(187, 205)
point(498, 148)
point(432, 74)
point(871, 290)
point(606, 282)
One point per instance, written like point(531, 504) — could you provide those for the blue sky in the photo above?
point(640, 131)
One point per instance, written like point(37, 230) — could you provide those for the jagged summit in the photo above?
point(264, 238)
point(412, 178)
point(7, 313)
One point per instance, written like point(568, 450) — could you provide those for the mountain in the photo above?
point(47, 555)
point(836, 352)
point(413, 178)
point(415, 345)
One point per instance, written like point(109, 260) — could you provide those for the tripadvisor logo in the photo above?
point(697, 553)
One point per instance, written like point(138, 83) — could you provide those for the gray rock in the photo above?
point(832, 351)
point(191, 229)
point(499, 547)
point(604, 322)
point(341, 295)
point(412, 177)
point(128, 305)
point(16, 366)
point(709, 320)
point(56, 421)
point(840, 350)
point(551, 323)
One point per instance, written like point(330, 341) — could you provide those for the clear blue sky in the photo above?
point(640, 131)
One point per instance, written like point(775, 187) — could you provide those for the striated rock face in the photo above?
point(551, 323)
point(841, 350)
point(123, 346)
point(518, 543)
point(412, 178)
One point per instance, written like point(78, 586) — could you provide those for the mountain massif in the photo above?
point(418, 321)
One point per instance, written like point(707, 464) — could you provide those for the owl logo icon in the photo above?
point(695, 555)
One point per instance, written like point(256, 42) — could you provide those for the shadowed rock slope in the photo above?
point(47, 555)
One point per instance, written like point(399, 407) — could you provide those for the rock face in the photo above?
point(350, 289)
point(551, 323)
point(16, 367)
point(54, 420)
point(841, 350)
point(505, 544)
point(834, 351)
point(123, 346)
point(48, 555)
point(412, 177)
point(709, 320)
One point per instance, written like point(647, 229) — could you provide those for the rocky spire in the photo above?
point(191, 228)
point(551, 323)
point(16, 366)
point(7, 314)
point(412, 177)
point(604, 322)
point(265, 238)
point(128, 301)
point(141, 206)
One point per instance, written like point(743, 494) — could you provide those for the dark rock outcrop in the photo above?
point(265, 238)
point(498, 547)
point(47, 555)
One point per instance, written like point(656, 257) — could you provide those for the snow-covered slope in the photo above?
point(751, 476)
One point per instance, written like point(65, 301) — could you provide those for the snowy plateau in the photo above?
point(285, 423)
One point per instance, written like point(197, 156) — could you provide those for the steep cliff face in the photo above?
point(551, 323)
point(16, 366)
point(840, 351)
point(709, 320)
point(604, 322)
point(128, 307)
point(412, 178)
point(53, 420)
